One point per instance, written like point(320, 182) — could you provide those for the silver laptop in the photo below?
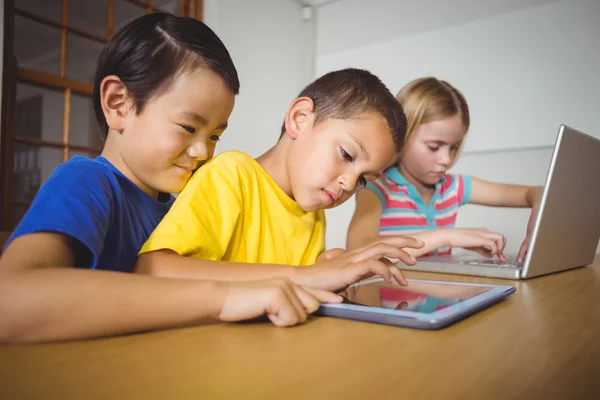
point(567, 228)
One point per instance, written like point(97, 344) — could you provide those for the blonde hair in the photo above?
point(429, 99)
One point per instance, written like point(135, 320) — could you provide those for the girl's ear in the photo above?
point(115, 101)
point(300, 115)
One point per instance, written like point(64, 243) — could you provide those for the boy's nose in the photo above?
point(348, 183)
point(198, 152)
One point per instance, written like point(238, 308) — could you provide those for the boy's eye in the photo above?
point(215, 138)
point(345, 154)
point(188, 128)
point(362, 181)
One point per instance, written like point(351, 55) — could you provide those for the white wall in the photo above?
point(523, 72)
point(267, 40)
point(348, 24)
point(524, 66)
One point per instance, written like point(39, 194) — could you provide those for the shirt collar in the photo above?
point(396, 176)
point(158, 206)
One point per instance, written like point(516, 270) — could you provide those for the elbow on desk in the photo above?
point(9, 333)
point(12, 327)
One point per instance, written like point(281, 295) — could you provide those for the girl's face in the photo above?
point(431, 150)
point(176, 132)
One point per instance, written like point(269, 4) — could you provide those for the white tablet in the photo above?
point(422, 304)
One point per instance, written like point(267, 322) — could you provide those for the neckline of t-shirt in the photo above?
point(135, 193)
point(289, 203)
point(398, 178)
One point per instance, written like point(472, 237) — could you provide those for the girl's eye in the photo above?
point(433, 148)
point(215, 138)
point(190, 129)
point(362, 181)
point(345, 154)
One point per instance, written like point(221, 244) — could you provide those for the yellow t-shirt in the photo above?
point(232, 210)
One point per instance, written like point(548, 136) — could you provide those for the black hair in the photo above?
point(353, 93)
point(149, 52)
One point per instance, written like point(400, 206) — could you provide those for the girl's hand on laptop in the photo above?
point(282, 301)
point(530, 224)
point(337, 269)
point(479, 240)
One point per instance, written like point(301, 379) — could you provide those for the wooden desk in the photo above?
point(541, 343)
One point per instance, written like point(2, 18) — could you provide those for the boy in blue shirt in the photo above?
point(163, 92)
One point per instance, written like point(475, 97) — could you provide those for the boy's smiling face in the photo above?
point(331, 159)
point(174, 134)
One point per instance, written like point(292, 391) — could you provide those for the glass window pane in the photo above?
point(73, 153)
point(49, 158)
point(32, 166)
point(83, 125)
point(48, 9)
point(47, 112)
point(124, 12)
point(171, 6)
point(82, 54)
point(37, 46)
point(89, 16)
point(29, 116)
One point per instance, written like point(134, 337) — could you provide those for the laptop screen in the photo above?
point(418, 296)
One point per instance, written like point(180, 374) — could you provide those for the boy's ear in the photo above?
point(115, 102)
point(300, 115)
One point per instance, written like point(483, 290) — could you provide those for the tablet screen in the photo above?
point(424, 297)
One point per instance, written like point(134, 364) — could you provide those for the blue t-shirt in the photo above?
point(92, 202)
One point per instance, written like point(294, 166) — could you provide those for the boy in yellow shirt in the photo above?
point(343, 130)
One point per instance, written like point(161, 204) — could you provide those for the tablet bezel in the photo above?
point(413, 319)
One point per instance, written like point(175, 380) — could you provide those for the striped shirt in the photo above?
point(405, 213)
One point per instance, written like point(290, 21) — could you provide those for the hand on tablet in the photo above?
point(337, 269)
point(283, 302)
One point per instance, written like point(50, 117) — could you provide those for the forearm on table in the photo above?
point(172, 265)
point(45, 304)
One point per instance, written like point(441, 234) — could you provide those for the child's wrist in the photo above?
point(220, 292)
point(442, 237)
point(446, 237)
point(303, 275)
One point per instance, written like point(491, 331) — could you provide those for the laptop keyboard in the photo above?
point(492, 262)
